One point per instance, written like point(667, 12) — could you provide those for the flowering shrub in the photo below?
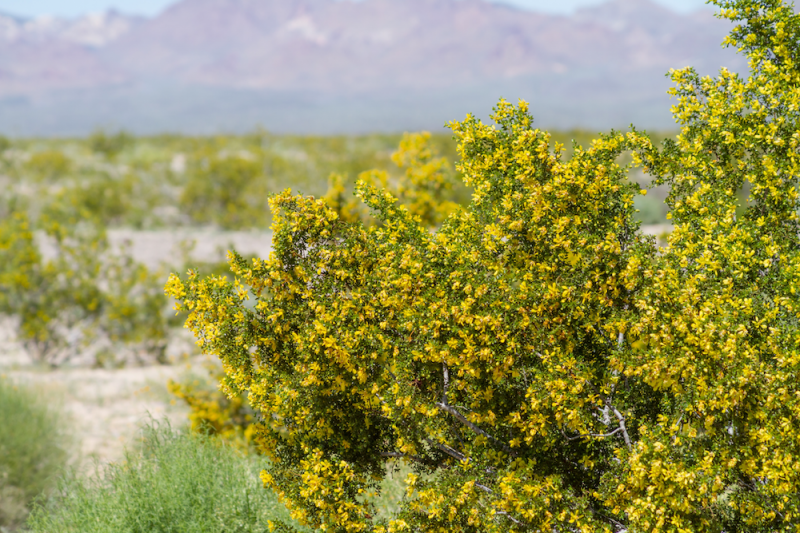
point(85, 300)
point(539, 363)
point(425, 187)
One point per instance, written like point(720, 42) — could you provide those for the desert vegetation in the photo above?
point(170, 481)
point(73, 295)
point(34, 445)
point(449, 332)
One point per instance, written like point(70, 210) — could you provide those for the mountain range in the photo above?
point(347, 66)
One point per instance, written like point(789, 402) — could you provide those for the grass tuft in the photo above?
point(175, 483)
point(32, 451)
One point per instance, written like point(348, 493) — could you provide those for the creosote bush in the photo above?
point(213, 413)
point(425, 185)
point(536, 361)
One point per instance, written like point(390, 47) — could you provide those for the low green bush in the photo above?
point(89, 303)
point(175, 482)
point(32, 451)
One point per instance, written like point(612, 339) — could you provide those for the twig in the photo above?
point(405, 456)
point(620, 418)
point(461, 418)
point(587, 435)
point(455, 454)
point(446, 373)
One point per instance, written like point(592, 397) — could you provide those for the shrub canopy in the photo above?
point(538, 362)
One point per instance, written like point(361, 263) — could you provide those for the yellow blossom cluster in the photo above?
point(425, 186)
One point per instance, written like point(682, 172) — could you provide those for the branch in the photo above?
point(587, 435)
point(484, 488)
point(461, 418)
point(455, 454)
point(446, 373)
point(620, 418)
point(518, 522)
point(622, 426)
point(405, 456)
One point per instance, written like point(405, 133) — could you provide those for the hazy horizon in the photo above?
point(76, 8)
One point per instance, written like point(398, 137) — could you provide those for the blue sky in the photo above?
point(72, 8)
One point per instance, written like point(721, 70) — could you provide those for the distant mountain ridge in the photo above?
point(334, 53)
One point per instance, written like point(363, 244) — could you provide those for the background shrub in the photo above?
point(48, 165)
point(175, 483)
point(32, 451)
point(214, 413)
point(109, 144)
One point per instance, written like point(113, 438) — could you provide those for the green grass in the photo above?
point(32, 451)
point(175, 483)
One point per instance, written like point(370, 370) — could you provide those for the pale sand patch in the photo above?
point(105, 409)
point(154, 248)
point(165, 247)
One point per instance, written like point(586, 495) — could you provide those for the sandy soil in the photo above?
point(156, 248)
point(104, 408)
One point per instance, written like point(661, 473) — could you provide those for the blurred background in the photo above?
point(343, 66)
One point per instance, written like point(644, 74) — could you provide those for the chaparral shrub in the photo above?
point(537, 362)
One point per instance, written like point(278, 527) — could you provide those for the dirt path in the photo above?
point(155, 248)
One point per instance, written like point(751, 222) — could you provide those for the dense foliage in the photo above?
point(537, 362)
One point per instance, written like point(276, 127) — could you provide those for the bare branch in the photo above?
point(588, 435)
point(455, 454)
point(484, 488)
point(620, 418)
point(622, 426)
point(461, 418)
point(446, 373)
point(503, 513)
point(405, 456)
